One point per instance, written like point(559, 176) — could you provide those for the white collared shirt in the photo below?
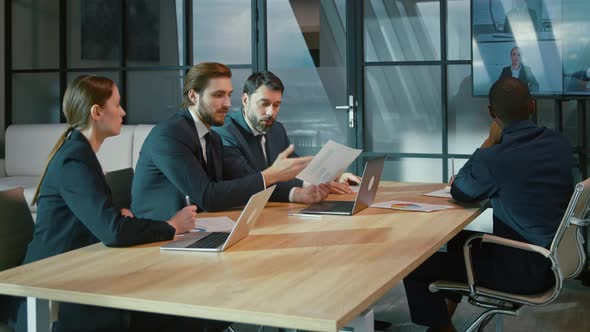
point(516, 72)
point(202, 130)
point(256, 132)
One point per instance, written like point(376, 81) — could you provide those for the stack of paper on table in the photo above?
point(445, 193)
point(411, 206)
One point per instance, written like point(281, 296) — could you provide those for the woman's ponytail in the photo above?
point(57, 146)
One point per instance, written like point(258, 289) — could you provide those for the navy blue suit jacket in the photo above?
point(528, 178)
point(243, 155)
point(169, 168)
point(75, 210)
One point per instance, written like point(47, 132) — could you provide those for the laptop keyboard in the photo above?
point(343, 206)
point(330, 207)
point(211, 241)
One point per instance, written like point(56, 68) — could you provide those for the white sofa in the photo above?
point(27, 148)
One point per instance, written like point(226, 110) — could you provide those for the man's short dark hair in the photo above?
point(510, 100)
point(263, 78)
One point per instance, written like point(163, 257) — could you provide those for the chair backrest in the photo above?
point(16, 227)
point(120, 183)
point(568, 244)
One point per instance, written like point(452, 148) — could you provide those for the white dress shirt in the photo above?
point(202, 130)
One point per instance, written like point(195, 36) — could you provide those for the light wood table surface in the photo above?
point(292, 272)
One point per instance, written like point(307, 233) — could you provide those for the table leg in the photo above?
point(37, 315)
point(363, 323)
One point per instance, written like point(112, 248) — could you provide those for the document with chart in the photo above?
point(332, 160)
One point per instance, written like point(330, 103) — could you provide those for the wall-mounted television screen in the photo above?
point(544, 43)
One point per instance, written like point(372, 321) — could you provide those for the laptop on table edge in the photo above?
point(364, 198)
point(219, 241)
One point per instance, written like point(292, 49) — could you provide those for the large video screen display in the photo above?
point(544, 43)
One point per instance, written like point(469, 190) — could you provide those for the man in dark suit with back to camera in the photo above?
point(253, 138)
point(525, 171)
point(182, 157)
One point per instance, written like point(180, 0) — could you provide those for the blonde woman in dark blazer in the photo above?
point(74, 207)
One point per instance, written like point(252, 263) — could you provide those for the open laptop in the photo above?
point(364, 198)
point(219, 241)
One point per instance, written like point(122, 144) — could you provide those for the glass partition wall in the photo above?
point(392, 77)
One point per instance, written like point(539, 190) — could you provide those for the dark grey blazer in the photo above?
point(169, 167)
point(243, 155)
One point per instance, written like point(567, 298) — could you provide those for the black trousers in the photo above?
point(496, 267)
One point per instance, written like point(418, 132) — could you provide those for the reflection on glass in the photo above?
point(402, 30)
point(570, 121)
point(412, 170)
point(307, 111)
point(94, 33)
point(221, 31)
point(35, 34)
point(155, 32)
point(153, 96)
point(238, 78)
point(35, 98)
point(456, 164)
point(545, 112)
point(468, 118)
point(458, 30)
point(576, 63)
point(403, 111)
point(307, 50)
point(306, 33)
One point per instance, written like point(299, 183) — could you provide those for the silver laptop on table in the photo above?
point(219, 241)
point(364, 198)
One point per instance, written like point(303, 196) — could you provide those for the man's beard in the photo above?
point(258, 122)
point(207, 113)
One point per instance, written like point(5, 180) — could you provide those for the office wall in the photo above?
point(2, 85)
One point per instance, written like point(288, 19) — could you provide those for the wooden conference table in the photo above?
point(292, 272)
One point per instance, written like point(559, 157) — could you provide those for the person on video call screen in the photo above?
point(520, 71)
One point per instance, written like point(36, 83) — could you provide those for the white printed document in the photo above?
point(445, 193)
point(330, 162)
point(411, 206)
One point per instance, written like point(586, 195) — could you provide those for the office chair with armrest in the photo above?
point(16, 231)
point(566, 255)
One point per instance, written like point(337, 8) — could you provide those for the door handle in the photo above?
point(350, 108)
